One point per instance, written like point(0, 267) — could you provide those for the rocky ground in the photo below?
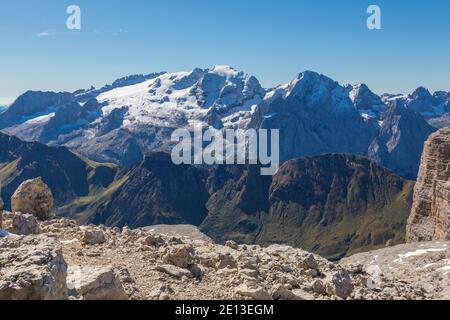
point(419, 266)
point(430, 214)
point(67, 261)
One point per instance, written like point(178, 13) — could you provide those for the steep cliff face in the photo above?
point(430, 214)
point(155, 192)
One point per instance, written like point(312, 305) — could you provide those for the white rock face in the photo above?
point(181, 231)
point(32, 268)
point(89, 283)
point(33, 197)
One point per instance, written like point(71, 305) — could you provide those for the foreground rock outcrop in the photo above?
point(32, 268)
point(430, 214)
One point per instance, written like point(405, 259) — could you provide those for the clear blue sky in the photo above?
point(271, 39)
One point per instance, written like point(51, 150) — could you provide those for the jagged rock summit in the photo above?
point(430, 215)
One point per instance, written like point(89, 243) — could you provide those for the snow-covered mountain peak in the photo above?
point(317, 91)
point(357, 90)
point(309, 81)
point(189, 95)
point(84, 95)
point(365, 101)
point(313, 91)
point(435, 108)
point(302, 84)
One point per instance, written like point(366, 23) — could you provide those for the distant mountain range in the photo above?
point(121, 122)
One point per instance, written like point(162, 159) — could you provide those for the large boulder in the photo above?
point(33, 197)
point(95, 283)
point(32, 268)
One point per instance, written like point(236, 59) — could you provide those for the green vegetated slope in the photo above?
point(334, 205)
point(69, 176)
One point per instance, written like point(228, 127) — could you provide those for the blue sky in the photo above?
point(271, 39)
